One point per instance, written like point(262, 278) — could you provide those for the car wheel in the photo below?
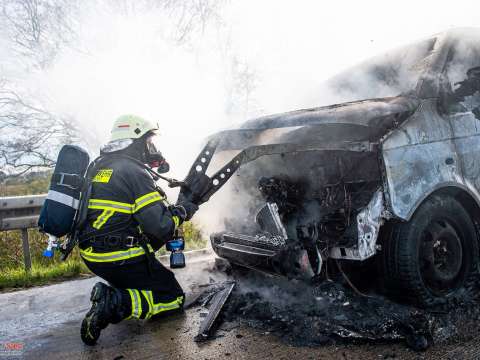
point(433, 259)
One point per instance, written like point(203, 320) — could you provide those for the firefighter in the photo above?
point(128, 219)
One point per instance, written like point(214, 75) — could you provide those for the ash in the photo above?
point(331, 312)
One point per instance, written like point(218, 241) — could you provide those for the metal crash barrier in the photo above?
point(21, 213)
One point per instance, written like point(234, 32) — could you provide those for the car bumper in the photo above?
point(248, 251)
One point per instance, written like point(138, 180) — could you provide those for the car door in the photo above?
point(460, 110)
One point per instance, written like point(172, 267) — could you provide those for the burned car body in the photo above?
point(326, 183)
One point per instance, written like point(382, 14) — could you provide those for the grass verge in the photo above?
point(45, 270)
point(16, 277)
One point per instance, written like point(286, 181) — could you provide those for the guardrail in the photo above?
point(21, 213)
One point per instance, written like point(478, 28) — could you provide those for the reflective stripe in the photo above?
point(136, 304)
point(146, 199)
point(149, 299)
point(139, 310)
point(109, 207)
point(111, 202)
point(89, 255)
point(102, 218)
point(98, 204)
point(160, 307)
point(63, 198)
point(133, 304)
point(176, 220)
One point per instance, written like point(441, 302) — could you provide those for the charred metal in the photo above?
point(326, 183)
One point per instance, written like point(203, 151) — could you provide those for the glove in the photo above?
point(194, 189)
point(184, 210)
point(190, 208)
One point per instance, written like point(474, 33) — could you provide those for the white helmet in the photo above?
point(127, 128)
point(131, 127)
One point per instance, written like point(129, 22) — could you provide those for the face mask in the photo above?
point(154, 157)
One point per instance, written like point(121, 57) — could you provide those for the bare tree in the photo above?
point(189, 17)
point(36, 31)
point(38, 28)
point(192, 16)
point(30, 134)
point(243, 83)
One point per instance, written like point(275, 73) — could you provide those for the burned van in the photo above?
point(394, 177)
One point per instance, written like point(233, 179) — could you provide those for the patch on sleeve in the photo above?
point(103, 176)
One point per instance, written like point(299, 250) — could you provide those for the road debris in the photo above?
point(305, 315)
point(218, 300)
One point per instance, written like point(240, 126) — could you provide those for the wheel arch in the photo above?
point(465, 198)
point(462, 194)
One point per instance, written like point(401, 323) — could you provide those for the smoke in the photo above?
point(392, 73)
point(252, 58)
point(126, 63)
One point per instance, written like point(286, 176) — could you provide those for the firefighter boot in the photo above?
point(106, 309)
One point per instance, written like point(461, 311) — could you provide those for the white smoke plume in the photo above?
point(252, 58)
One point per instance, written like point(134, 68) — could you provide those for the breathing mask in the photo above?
point(153, 155)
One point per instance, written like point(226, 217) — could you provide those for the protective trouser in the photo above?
point(145, 292)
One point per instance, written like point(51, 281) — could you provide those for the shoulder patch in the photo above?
point(103, 176)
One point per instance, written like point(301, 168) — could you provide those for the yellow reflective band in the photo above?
point(176, 220)
point(175, 304)
point(136, 304)
point(94, 201)
point(109, 207)
point(102, 218)
point(146, 200)
point(160, 307)
point(99, 204)
point(134, 300)
point(137, 294)
point(89, 255)
point(148, 296)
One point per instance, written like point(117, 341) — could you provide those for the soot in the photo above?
point(306, 315)
point(285, 193)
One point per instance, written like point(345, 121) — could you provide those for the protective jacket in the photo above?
point(125, 208)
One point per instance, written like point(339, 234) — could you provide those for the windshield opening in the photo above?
point(462, 76)
point(389, 74)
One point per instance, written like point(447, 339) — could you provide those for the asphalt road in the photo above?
point(44, 322)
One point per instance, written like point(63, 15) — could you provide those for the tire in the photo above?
point(433, 259)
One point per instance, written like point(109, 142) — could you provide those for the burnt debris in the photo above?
point(332, 312)
point(329, 313)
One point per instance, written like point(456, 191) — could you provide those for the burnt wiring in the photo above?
point(349, 282)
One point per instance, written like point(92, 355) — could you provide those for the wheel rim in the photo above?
point(441, 257)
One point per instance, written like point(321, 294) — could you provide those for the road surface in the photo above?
point(44, 323)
